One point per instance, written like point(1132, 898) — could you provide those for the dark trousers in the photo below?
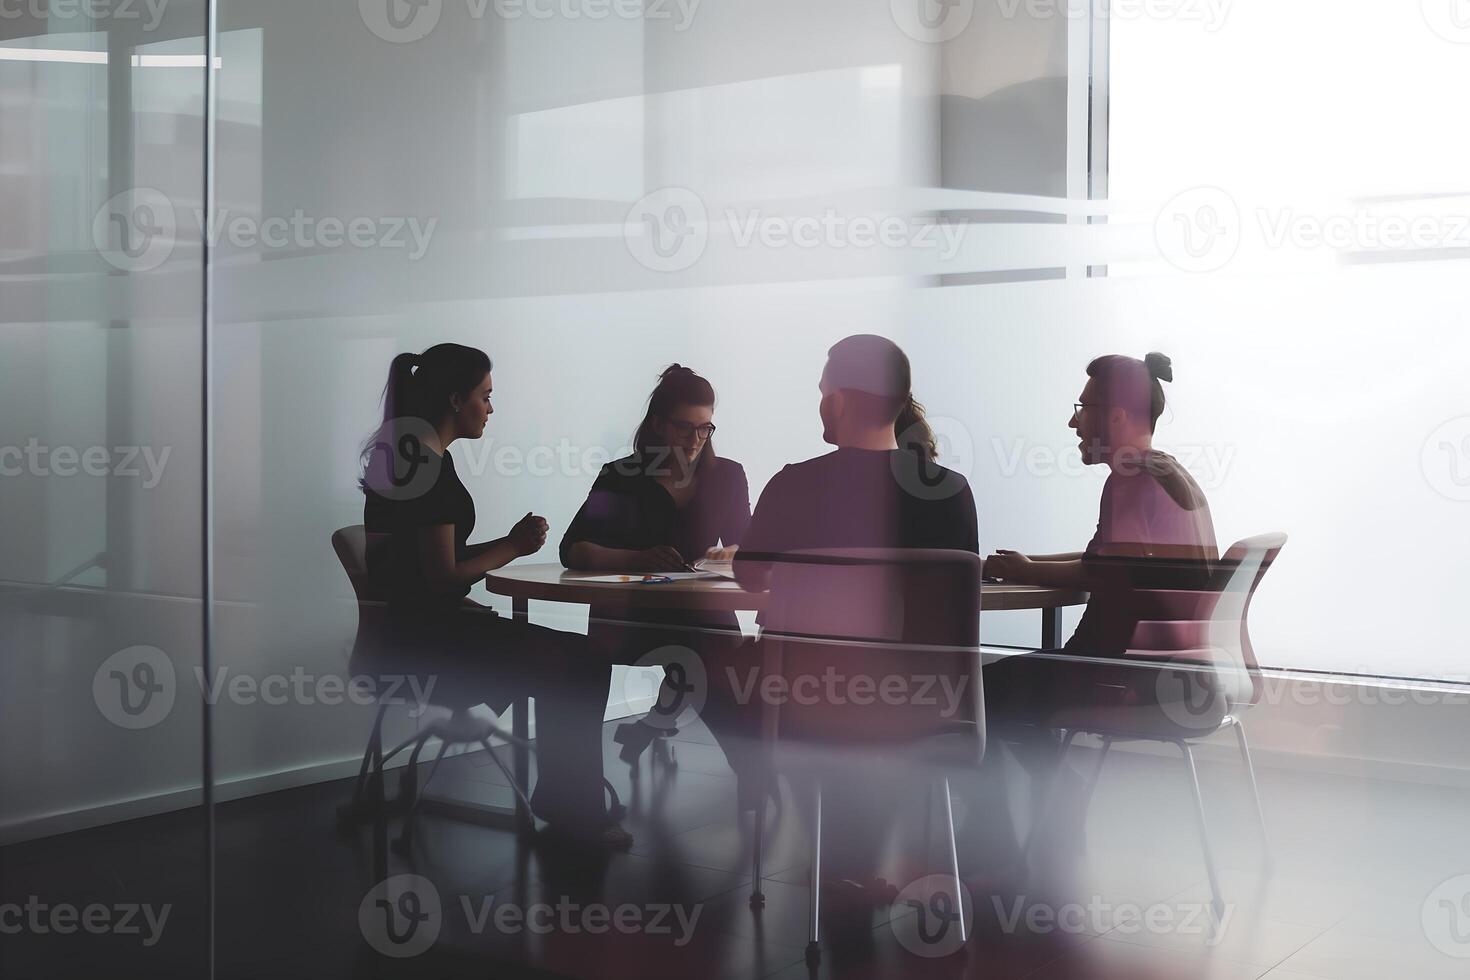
point(474, 656)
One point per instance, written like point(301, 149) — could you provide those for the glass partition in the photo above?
point(101, 414)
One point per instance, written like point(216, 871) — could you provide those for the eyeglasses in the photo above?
point(1077, 407)
point(687, 429)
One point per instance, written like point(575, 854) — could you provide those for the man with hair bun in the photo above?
point(1151, 508)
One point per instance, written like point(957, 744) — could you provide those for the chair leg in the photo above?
point(757, 878)
point(1051, 792)
point(405, 838)
point(348, 813)
point(1204, 831)
point(813, 946)
point(954, 861)
point(501, 765)
point(1250, 772)
point(1096, 771)
point(374, 748)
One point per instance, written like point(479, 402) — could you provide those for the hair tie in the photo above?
point(1160, 367)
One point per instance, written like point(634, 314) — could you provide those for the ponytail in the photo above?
point(418, 395)
point(912, 430)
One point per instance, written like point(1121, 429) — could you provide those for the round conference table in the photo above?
point(553, 583)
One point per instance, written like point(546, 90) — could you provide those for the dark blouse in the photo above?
point(627, 508)
point(428, 495)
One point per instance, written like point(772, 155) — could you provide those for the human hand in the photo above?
point(1008, 566)
point(721, 554)
point(662, 558)
point(528, 535)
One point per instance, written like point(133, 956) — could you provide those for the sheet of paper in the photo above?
point(638, 579)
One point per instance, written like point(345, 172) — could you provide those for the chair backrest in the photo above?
point(1201, 612)
point(876, 645)
point(352, 545)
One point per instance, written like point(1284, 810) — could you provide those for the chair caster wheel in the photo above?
point(757, 902)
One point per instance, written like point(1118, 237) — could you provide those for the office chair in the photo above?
point(1206, 675)
point(873, 612)
point(374, 639)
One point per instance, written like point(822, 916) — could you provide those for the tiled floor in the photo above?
point(1357, 889)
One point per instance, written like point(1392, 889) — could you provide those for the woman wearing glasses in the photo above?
point(671, 502)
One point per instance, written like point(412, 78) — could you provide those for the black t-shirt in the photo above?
point(627, 508)
point(427, 495)
point(862, 498)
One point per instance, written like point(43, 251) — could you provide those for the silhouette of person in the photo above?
point(426, 567)
point(880, 488)
point(672, 501)
point(1151, 509)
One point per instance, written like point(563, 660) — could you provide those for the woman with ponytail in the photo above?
point(416, 504)
point(671, 502)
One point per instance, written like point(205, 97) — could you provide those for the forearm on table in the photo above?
point(1069, 574)
point(484, 557)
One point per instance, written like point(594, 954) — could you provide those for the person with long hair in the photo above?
point(670, 502)
point(416, 503)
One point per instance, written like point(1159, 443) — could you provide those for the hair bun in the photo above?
point(1159, 366)
point(676, 368)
